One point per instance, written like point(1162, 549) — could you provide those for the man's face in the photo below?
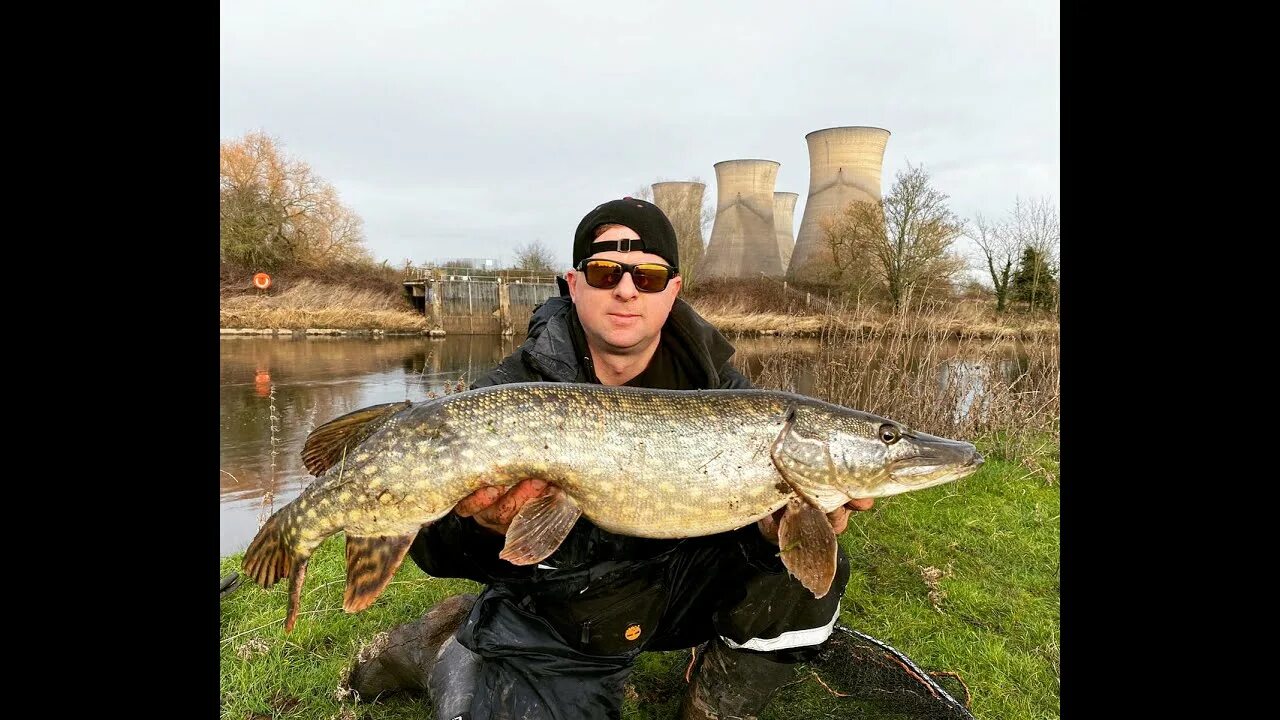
point(622, 318)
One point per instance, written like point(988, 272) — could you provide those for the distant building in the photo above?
point(844, 166)
point(477, 263)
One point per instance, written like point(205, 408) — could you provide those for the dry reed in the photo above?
point(921, 368)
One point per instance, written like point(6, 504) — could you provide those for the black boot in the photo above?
point(731, 684)
point(405, 660)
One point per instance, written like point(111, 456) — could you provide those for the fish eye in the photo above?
point(889, 434)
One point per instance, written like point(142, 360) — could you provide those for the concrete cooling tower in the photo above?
point(743, 242)
point(784, 208)
point(682, 202)
point(844, 165)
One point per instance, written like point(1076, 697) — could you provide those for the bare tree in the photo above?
point(851, 236)
point(905, 238)
point(1000, 248)
point(1035, 225)
point(332, 232)
point(696, 240)
point(534, 256)
point(276, 211)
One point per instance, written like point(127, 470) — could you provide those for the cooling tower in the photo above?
point(844, 165)
point(784, 208)
point(682, 202)
point(743, 242)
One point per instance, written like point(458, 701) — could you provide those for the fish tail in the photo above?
point(272, 555)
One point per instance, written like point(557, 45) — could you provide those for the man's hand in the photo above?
point(493, 509)
point(839, 518)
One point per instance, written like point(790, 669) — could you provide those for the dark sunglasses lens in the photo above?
point(603, 274)
point(650, 278)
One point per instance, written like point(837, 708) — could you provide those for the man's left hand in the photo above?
point(839, 518)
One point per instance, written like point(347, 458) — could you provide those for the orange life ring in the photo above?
point(262, 384)
point(262, 281)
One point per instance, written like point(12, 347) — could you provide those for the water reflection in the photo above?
point(275, 391)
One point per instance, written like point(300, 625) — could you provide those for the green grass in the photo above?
point(993, 539)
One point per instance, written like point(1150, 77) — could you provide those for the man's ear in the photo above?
point(571, 279)
point(678, 281)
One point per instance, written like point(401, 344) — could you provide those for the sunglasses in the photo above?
point(606, 274)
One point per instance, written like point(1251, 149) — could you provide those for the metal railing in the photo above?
point(415, 273)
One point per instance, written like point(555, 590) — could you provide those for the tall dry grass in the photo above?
point(310, 304)
point(922, 367)
point(772, 307)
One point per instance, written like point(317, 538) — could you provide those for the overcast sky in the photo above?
point(465, 129)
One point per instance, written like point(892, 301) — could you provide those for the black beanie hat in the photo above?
point(656, 233)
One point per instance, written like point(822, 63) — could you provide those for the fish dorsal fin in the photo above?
point(539, 528)
point(802, 462)
point(371, 563)
point(327, 444)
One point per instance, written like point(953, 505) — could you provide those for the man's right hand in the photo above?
point(494, 509)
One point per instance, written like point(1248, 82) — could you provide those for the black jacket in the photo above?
point(552, 353)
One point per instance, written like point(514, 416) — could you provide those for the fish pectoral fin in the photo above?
point(800, 460)
point(327, 444)
point(539, 528)
point(808, 546)
point(371, 563)
point(296, 578)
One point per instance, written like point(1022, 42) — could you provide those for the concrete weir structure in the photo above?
point(744, 243)
point(784, 214)
point(844, 165)
point(682, 203)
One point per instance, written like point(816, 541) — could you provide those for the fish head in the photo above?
point(873, 456)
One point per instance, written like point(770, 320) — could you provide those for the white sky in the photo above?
point(465, 129)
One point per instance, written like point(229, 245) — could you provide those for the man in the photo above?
point(558, 639)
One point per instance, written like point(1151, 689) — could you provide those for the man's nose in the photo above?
point(626, 288)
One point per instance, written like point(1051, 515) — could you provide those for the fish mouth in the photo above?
point(936, 461)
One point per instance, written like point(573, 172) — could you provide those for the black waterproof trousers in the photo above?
point(563, 652)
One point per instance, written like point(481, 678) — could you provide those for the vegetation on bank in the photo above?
point(309, 304)
point(368, 296)
point(962, 578)
point(767, 306)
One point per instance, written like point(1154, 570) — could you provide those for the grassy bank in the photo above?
point(963, 578)
point(311, 304)
point(772, 307)
point(965, 319)
point(375, 300)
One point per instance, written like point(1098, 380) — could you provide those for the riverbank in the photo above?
point(309, 307)
point(292, 333)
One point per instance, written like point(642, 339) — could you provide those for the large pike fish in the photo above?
point(647, 463)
